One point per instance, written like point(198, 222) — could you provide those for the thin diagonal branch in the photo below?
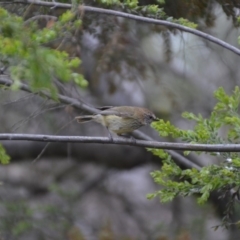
point(137, 18)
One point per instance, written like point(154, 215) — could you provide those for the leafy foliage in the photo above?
point(133, 6)
point(20, 222)
point(4, 158)
point(222, 126)
point(23, 49)
point(186, 23)
point(24, 52)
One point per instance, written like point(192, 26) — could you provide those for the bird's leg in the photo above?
point(133, 139)
point(128, 136)
point(110, 135)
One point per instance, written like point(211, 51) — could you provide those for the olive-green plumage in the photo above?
point(121, 120)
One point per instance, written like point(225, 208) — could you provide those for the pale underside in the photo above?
point(117, 124)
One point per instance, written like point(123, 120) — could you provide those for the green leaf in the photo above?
point(221, 126)
point(21, 46)
point(4, 158)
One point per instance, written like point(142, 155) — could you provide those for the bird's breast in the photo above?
point(121, 125)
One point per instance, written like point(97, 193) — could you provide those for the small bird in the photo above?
point(121, 120)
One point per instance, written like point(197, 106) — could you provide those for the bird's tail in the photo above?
point(83, 119)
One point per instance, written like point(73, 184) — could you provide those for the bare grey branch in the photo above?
point(123, 141)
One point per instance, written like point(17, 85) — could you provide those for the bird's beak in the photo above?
point(156, 119)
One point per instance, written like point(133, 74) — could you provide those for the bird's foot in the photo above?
point(128, 136)
point(110, 137)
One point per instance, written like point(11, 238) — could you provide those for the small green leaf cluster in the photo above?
point(23, 49)
point(130, 4)
point(191, 181)
point(152, 11)
point(133, 6)
point(209, 130)
point(186, 22)
point(19, 224)
point(227, 111)
point(4, 158)
point(161, 2)
point(222, 126)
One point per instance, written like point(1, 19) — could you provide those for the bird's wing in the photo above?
point(104, 108)
point(116, 113)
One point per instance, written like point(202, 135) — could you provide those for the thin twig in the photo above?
point(6, 81)
point(18, 124)
point(24, 98)
point(39, 17)
point(47, 145)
